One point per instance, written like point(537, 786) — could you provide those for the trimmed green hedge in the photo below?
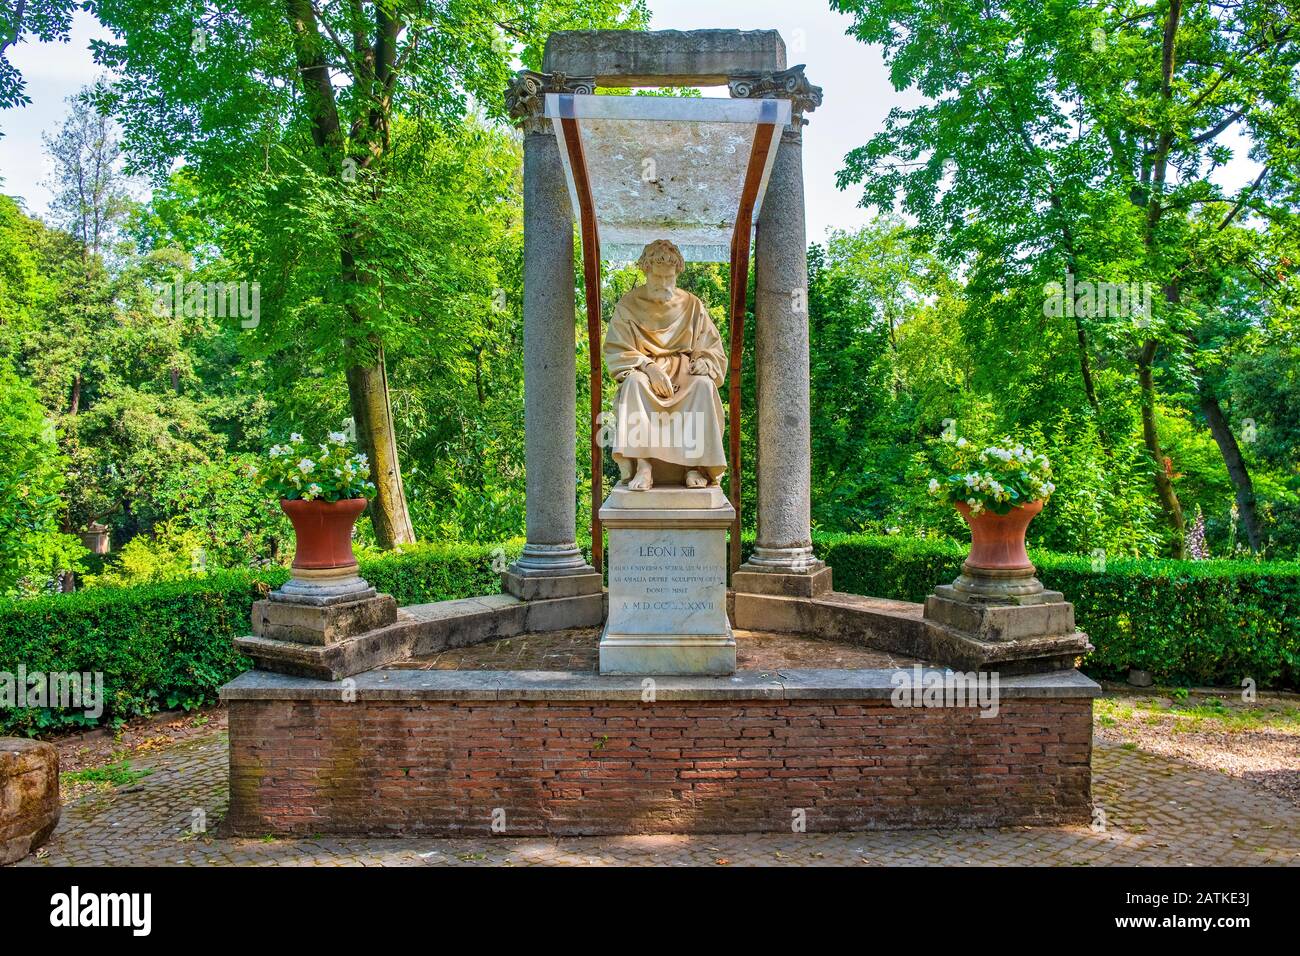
point(1187, 622)
point(169, 645)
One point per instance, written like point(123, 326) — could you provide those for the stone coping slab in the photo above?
point(792, 684)
point(663, 57)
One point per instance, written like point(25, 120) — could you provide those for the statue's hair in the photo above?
point(661, 250)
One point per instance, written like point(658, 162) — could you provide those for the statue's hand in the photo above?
point(660, 383)
point(701, 367)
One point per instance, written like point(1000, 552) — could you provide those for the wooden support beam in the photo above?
point(763, 135)
point(591, 282)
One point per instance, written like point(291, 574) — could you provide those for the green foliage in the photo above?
point(382, 220)
point(48, 21)
point(441, 572)
point(239, 524)
point(1103, 495)
point(34, 548)
point(1089, 141)
point(119, 774)
point(170, 552)
point(150, 641)
point(369, 206)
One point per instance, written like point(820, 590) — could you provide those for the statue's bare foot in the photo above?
point(695, 479)
point(643, 480)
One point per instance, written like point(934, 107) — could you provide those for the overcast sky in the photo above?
point(856, 88)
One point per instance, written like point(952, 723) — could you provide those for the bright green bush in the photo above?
point(157, 645)
point(169, 644)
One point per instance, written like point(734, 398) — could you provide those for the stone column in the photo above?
point(784, 545)
point(551, 565)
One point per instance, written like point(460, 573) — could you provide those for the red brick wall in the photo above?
point(442, 767)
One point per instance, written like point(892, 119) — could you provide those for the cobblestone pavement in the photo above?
point(1157, 811)
point(577, 649)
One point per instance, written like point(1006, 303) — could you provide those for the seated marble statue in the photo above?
point(665, 352)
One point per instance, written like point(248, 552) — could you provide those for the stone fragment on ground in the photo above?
point(29, 796)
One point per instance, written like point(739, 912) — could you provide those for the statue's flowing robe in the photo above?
point(685, 428)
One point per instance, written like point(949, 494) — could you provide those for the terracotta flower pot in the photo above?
point(998, 541)
point(323, 530)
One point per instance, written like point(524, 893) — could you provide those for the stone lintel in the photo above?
point(663, 57)
point(792, 684)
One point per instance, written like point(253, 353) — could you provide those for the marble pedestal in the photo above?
point(667, 582)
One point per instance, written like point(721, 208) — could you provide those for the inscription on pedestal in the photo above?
point(667, 581)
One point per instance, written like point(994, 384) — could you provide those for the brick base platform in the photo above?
point(524, 753)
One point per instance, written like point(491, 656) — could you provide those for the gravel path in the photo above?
point(1257, 742)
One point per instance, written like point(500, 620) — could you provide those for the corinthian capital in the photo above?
point(788, 84)
point(526, 96)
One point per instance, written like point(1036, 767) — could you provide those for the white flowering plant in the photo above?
point(326, 471)
point(996, 478)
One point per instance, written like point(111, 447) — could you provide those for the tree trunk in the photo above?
point(372, 411)
point(1164, 481)
point(1085, 372)
point(1236, 465)
point(1081, 334)
point(1160, 163)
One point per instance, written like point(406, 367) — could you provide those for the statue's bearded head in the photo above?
point(659, 256)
